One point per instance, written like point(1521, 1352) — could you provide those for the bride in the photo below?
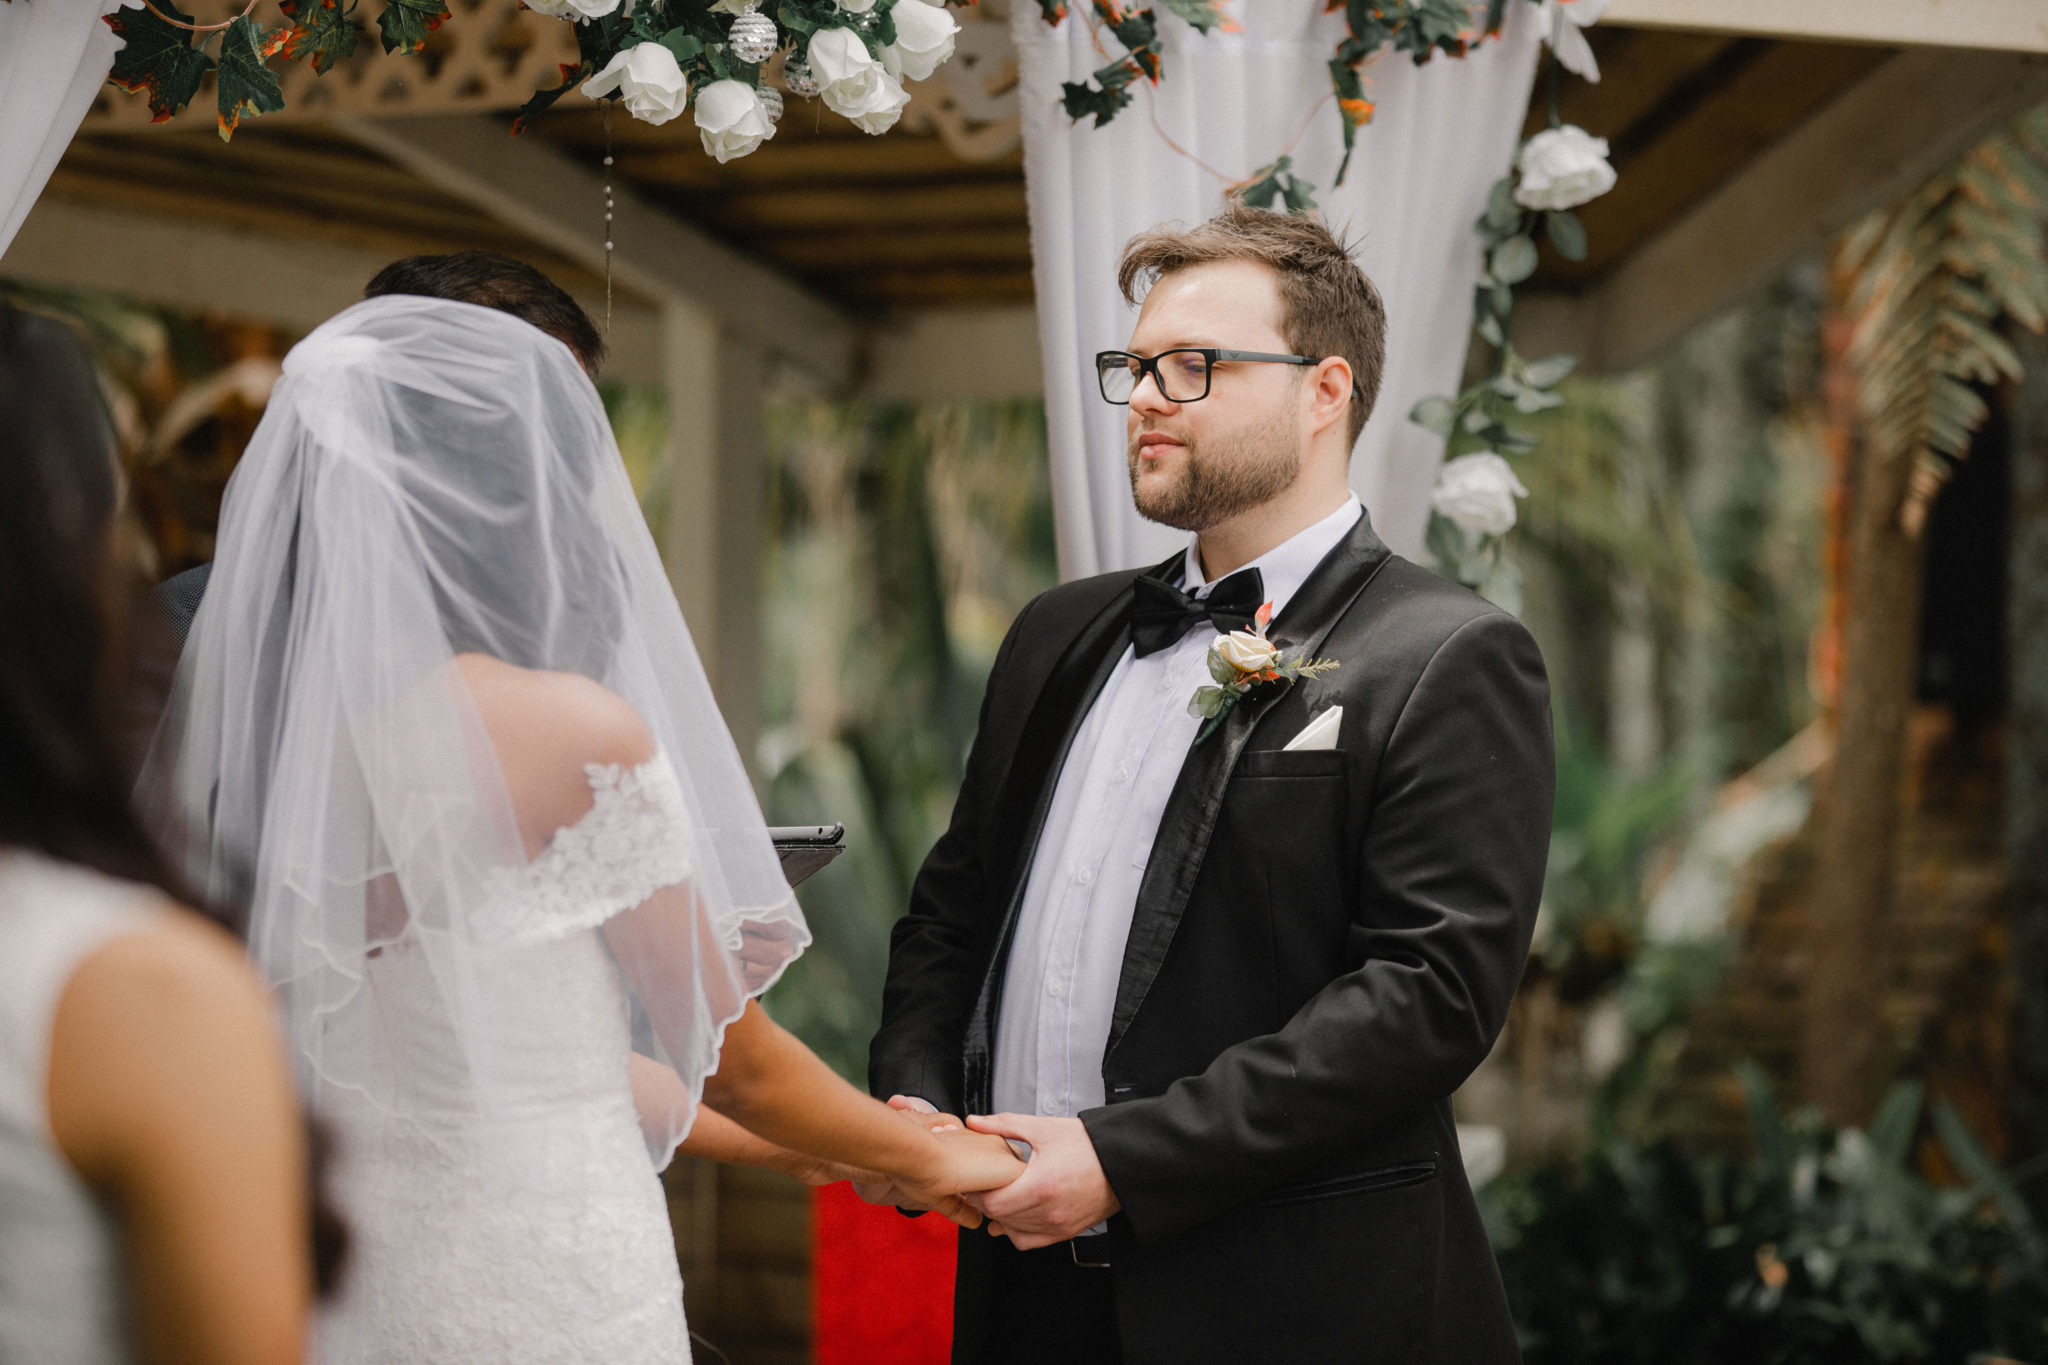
point(441, 729)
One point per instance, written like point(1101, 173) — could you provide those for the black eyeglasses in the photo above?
point(1182, 375)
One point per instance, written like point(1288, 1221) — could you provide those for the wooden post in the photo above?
point(1840, 1032)
point(716, 484)
point(2027, 760)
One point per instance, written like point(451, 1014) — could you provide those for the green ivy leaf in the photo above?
point(245, 84)
point(1435, 414)
point(682, 45)
point(159, 58)
point(321, 30)
point(1549, 372)
point(544, 99)
point(1203, 14)
point(1513, 260)
point(1489, 327)
point(405, 24)
point(1502, 214)
point(1566, 233)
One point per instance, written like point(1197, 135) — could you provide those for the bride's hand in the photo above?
point(969, 1164)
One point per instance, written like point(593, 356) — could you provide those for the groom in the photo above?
point(1225, 984)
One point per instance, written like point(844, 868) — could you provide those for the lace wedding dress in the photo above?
point(567, 1254)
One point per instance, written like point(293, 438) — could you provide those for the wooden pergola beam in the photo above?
point(543, 193)
point(1991, 25)
point(1871, 146)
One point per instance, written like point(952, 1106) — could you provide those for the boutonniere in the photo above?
point(1244, 662)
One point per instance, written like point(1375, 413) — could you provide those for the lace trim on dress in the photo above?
point(634, 840)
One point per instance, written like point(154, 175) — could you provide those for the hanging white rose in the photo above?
point(1563, 168)
point(1562, 21)
point(852, 83)
point(731, 119)
point(573, 9)
point(649, 80)
point(1477, 493)
point(924, 38)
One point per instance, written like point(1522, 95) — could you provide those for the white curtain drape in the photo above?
point(54, 54)
point(1443, 133)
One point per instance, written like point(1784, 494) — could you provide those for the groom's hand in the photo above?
point(1062, 1192)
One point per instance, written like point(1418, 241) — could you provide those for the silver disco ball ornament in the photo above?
point(771, 102)
point(752, 38)
point(798, 80)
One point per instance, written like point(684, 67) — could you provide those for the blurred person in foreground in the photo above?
point(1219, 928)
point(440, 726)
point(153, 1168)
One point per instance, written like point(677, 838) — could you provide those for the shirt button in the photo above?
point(1055, 989)
point(1123, 772)
point(1054, 1107)
point(1085, 875)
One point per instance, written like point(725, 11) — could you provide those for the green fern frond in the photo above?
point(1931, 281)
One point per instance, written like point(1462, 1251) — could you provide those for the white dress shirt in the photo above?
point(1067, 953)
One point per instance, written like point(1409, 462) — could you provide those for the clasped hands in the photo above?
point(1059, 1194)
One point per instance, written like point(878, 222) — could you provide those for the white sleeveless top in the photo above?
point(63, 1293)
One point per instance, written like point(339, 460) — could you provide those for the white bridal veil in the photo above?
point(434, 479)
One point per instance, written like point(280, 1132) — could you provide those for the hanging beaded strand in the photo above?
point(607, 220)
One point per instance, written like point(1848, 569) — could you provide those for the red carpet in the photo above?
point(882, 1283)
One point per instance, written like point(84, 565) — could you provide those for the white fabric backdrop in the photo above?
point(1442, 135)
point(54, 54)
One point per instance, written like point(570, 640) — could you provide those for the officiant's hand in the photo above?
point(1062, 1192)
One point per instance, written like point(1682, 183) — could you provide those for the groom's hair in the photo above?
point(494, 281)
point(1327, 305)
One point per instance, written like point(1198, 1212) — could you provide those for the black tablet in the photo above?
point(806, 848)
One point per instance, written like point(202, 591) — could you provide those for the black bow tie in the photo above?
point(1161, 613)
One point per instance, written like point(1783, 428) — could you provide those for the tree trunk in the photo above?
point(1842, 1027)
point(2027, 760)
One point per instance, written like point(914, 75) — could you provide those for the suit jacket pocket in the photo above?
point(1292, 763)
point(1361, 1182)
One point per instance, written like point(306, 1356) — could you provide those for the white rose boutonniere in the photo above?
point(854, 6)
point(731, 119)
point(852, 83)
point(649, 80)
point(1477, 492)
point(1563, 168)
point(1245, 661)
point(924, 38)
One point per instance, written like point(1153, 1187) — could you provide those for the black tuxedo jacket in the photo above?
point(1324, 946)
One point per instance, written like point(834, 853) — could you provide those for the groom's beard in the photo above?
point(1237, 472)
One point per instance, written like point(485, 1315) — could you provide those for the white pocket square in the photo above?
point(1320, 733)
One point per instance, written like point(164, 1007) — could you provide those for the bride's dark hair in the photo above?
point(69, 623)
point(76, 628)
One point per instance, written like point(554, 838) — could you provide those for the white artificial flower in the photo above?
point(1563, 168)
point(855, 6)
point(924, 39)
point(734, 6)
point(852, 83)
point(1562, 20)
point(1477, 493)
point(731, 119)
point(1246, 652)
point(573, 9)
point(649, 80)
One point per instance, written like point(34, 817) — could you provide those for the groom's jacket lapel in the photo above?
point(1025, 794)
point(1198, 793)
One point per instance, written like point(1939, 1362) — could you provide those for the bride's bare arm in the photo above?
point(659, 1093)
point(773, 1085)
point(545, 727)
